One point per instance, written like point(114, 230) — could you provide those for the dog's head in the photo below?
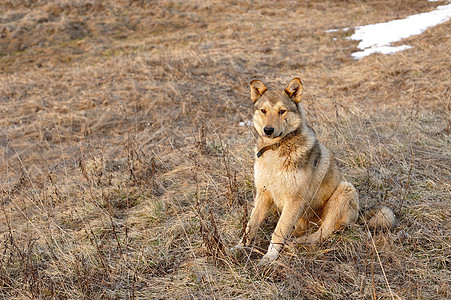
point(277, 114)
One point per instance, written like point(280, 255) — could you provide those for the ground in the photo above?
point(125, 172)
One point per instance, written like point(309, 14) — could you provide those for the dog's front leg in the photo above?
point(284, 228)
point(262, 204)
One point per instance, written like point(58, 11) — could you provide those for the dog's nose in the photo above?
point(268, 130)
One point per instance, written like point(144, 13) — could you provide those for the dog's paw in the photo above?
point(267, 259)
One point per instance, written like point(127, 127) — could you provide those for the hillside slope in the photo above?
point(124, 171)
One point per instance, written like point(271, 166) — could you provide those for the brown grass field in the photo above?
point(124, 173)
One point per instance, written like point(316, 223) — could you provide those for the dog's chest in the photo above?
point(277, 175)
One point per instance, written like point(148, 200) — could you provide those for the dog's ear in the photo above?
point(294, 90)
point(257, 89)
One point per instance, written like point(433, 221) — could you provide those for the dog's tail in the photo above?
point(381, 218)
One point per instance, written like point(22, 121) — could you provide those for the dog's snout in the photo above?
point(268, 130)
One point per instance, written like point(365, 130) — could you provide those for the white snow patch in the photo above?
point(380, 49)
point(336, 29)
point(377, 38)
point(246, 123)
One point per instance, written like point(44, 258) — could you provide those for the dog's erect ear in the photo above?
point(257, 89)
point(294, 90)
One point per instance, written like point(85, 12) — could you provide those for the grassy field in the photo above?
point(124, 172)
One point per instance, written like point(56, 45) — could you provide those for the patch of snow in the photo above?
point(380, 49)
point(377, 38)
point(245, 123)
point(336, 29)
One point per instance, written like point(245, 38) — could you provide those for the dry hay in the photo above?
point(125, 173)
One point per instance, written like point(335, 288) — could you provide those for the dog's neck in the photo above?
point(263, 147)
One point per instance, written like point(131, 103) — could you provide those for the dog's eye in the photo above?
point(282, 111)
point(263, 111)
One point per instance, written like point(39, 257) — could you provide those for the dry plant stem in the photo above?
point(406, 186)
point(110, 216)
point(380, 264)
point(372, 276)
point(244, 220)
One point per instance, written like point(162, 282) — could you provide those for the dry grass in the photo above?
point(124, 172)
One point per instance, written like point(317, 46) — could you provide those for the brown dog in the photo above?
point(296, 173)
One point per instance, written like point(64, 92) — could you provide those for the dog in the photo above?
point(297, 174)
